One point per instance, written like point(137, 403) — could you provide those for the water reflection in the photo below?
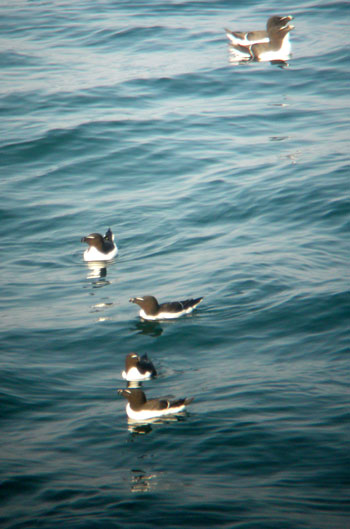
point(144, 427)
point(97, 272)
point(139, 428)
point(141, 481)
point(280, 64)
point(133, 384)
point(234, 60)
point(98, 307)
point(152, 328)
point(278, 138)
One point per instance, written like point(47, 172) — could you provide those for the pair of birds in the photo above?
point(104, 249)
point(138, 407)
point(271, 44)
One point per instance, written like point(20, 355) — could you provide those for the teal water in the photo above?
point(228, 182)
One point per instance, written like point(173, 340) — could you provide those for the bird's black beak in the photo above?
point(288, 19)
point(83, 239)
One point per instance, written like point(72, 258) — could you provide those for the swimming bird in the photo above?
point(270, 45)
point(138, 368)
point(139, 408)
point(100, 248)
point(151, 310)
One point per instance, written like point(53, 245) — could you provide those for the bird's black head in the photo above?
point(131, 360)
point(148, 303)
point(279, 24)
point(94, 239)
point(135, 397)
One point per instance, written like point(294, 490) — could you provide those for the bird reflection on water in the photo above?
point(152, 328)
point(141, 481)
point(235, 61)
point(143, 427)
point(97, 272)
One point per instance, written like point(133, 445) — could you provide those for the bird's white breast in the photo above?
point(165, 315)
point(93, 254)
point(150, 414)
point(278, 55)
point(134, 374)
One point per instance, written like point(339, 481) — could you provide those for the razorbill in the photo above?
point(151, 310)
point(100, 248)
point(138, 368)
point(270, 45)
point(139, 408)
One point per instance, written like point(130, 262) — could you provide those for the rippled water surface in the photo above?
point(224, 181)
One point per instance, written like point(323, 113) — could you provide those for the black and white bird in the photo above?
point(152, 310)
point(270, 45)
point(139, 408)
point(138, 368)
point(100, 248)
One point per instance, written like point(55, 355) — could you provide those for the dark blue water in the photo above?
point(228, 182)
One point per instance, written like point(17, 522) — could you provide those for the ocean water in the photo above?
point(219, 180)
